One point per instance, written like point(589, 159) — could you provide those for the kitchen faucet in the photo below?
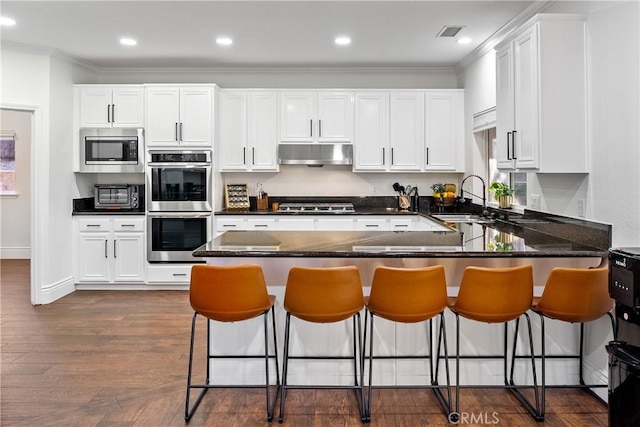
point(484, 192)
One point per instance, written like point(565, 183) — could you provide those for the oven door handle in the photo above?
point(179, 165)
point(179, 215)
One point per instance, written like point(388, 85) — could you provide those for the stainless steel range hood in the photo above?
point(315, 154)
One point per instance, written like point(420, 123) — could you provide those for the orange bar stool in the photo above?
point(573, 295)
point(495, 295)
point(410, 295)
point(324, 295)
point(230, 294)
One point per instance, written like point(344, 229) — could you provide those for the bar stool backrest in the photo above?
point(323, 295)
point(495, 295)
point(228, 293)
point(408, 295)
point(576, 294)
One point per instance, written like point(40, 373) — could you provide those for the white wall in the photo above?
point(15, 212)
point(614, 193)
point(419, 78)
point(38, 82)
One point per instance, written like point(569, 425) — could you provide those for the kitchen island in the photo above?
point(492, 243)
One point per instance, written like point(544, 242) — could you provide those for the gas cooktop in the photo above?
point(334, 208)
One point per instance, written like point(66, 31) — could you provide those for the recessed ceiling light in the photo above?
point(225, 41)
point(464, 40)
point(9, 22)
point(128, 42)
point(342, 40)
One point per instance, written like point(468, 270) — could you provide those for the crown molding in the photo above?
point(283, 70)
point(45, 51)
point(511, 26)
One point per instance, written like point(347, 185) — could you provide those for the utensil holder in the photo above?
point(263, 204)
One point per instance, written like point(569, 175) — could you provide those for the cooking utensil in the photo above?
point(402, 190)
point(408, 190)
point(396, 187)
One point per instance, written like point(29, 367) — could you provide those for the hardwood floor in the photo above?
point(102, 358)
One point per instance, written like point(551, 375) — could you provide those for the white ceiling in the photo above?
point(181, 34)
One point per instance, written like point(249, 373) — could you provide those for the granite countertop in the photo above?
point(369, 210)
point(85, 206)
point(499, 239)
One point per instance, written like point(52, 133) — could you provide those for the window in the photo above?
point(7, 162)
point(516, 180)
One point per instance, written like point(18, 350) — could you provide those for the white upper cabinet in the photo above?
point(111, 106)
point(406, 127)
point(248, 130)
point(413, 131)
point(179, 116)
point(371, 140)
point(322, 116)
point(444, 131)
point(541, 96)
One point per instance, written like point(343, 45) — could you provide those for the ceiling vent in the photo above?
point(449, 31)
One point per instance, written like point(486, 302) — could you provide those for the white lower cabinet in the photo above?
point(169, 273)
point(110, 250)
point(327, 223)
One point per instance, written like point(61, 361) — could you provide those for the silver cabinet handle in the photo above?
point(383, 157)
point(108, 113)
point(427, 155)
point(400, 225)
point(115, 255)
point(179, 274)
point(244, 155)
point(93, 225)
point(228, 225)
point(513, 145)
point(113, 113)
point(261, 225)
point(371, 225)
point(181, 131)
point(320, 128)
point(391, 156)
point(105, 249)
point(128, 225)
point(311, 127)
point(176, 131)
point(253, 155)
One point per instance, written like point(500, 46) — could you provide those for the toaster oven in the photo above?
point(116, 196)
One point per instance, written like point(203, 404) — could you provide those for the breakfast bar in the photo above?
point(493, 243)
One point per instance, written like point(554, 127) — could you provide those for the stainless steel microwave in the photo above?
point(117, 150)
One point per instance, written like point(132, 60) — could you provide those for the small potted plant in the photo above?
point(502, 193)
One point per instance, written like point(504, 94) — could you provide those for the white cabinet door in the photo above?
point(526, 100)
point(162, 116)
point(444, 126)
point(372, 224)
point(196, 116)
point(230, 223)
point(233, 130)
point(316, 116)
point(296, 116)
point(179, 116)
point(93, 263)
point(95, 107)
point(371, 140)
point(335, 112)
point(111, 106)
point(128, 257)
point(334, 224)
point(128, 107)
point(504, 113)
point(295, 224)
point(401, 224)
point(263, 131)
point(406, 130)
point(110, 250)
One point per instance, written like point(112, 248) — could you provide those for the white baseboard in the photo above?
point(15, 253)
point(57, 290)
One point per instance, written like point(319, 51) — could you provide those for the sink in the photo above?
point(466, 218)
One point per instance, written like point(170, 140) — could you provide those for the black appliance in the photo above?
point(624, 353)
point(173, 236)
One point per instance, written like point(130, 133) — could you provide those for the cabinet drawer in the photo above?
point(132, 224)
point(169, 273)
point(304, 224)
point(95, 224)
point(261, 224)
point(401, 223)
point(226, 224)
point(372, 224)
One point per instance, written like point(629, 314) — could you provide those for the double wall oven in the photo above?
point(179, 204)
